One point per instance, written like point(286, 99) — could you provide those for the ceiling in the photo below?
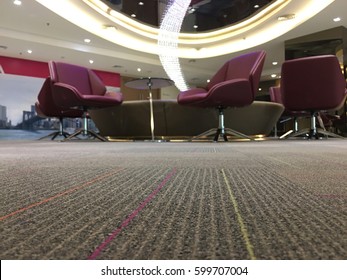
point(33, 27)
point(202, 15)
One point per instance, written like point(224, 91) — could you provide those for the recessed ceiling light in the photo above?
point(195, 26)
point(29, 51)
point(259, 89)
point(274, 63)
point(273, 76)
point(138, 69)
point(91, 61)
point(141, 3)
point(17, 2)
point(256, 6)
point(87, 40)
point(133, 15)
point(337, 19)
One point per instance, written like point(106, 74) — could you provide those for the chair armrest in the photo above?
point(66, 96)
point(235, 93)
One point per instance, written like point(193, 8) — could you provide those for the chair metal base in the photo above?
point(309, 133)
point(55, 134)
point(85, 131)
point(221, 131)
point(87, 134)
point(313, 132)
point(60, 132)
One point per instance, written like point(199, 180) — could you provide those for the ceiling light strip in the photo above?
point(122, 20)
point(139, 37)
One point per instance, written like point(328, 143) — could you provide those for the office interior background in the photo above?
point(131, 198)
point(38, 35)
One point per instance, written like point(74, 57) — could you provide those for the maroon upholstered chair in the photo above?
point(75, 86)
point(234, 85)
point(276, 96)
point(46, 108)
point(313, 84)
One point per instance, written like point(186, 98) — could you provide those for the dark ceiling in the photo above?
point(202, 15)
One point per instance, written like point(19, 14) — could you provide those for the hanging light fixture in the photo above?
point(169, 30)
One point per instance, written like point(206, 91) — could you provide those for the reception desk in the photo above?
point(131, 120)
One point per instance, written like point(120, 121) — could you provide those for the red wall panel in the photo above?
point(24, 67)
point(109, 78)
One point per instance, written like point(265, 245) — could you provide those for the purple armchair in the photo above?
point(314, 85)
point(75, 86)
point(46, 108)
point(234, 85)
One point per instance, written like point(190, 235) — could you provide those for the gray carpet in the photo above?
point(143, 200)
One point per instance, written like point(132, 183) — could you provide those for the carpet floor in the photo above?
point(175, 201)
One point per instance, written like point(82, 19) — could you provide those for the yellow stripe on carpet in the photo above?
point(243, 228)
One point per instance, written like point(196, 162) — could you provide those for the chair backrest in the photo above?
point(45, 104)
point(247, 66)
point(312, 83)
point(82, 78)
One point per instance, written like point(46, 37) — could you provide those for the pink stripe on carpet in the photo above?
point(105, 175)
point(127, 221)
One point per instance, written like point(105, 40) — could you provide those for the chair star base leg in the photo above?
point(326, 133)
point(218, 132)
point(233, 132)
point(312, 134)
point(87, 133)
point(54, 135)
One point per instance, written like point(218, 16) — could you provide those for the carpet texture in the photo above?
point(143, 200)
